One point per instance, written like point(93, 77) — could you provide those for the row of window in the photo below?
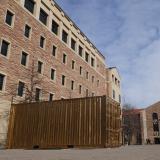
point(24, 61)
point(115, 80)
point(114, 96)
point(38, 91)
point(43, 16)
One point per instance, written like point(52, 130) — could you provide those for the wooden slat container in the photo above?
point(84, 122)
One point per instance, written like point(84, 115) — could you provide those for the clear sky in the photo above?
point(127, 32)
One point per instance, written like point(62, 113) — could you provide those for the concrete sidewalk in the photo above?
point(148, 152)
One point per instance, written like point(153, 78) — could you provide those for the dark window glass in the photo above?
point(64, 36)
point(97, 83)
point(51, 97)
point(80, 89)
point(72, 85)
point(24, 58)
point(73, 64)
point(155, 122)
point(73, 44)
point(114, 94)
point(80, 51)
point(86, 57)
point(9, 18)
point(21, 89)
point(40, 64)
point(54, 49)
point(1, 81)
point(29, 5)
point(42, 40)
point(27, 31)
point(92, 62)
point(55, 27)
point(43, 16)
point(37, 95)
point(52, 74)
point(4, 48)
point(80, 70)
point(64, 58)
point(92, 79)
point(87, 75)
point(63, 80)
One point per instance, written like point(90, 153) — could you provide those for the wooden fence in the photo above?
point(84, 122)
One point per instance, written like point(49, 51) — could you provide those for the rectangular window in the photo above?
point(92, 62)
point(80, 70)
point(73, 44)
point(92, 79)
point(53, 74)
point(27, 31)
point(42, 42)
point(73, 64)
point(63, 80)
point(1, 81)
point(97, 83)
point(40, 64)
point(64, 58)
point(24, 58)
point(86, 57)
point(87, 75)
point(80, 51)
point(55, 27)
point(64, 36)
point(51, 95)
point(9, 18)
point(114, 94)
point(21, 89)
point(80, 89)
point(93, 94)
point(54, 49)
point(29, 5)
point(43, 16)
point(4, 47)
point(72, 85)
point(37, 94)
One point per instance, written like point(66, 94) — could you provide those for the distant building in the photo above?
point(151, 123)
point(131, 126)
point(113, 84)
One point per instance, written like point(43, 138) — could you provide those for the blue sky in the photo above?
point(128, 33)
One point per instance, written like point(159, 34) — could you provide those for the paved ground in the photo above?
point(151, 152)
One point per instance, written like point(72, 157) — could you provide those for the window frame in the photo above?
point(23, 91)
point(26, 63)
point(41, 67)
point(13, 18)
point(53, 69)
point(31, 12)
point(44, 42)
point(9, 47)
point(4, 81)
point(40, 94)
point(63, 83)
point(41, 18)
point(57, 33)
point(65, 40)
point(30, 31)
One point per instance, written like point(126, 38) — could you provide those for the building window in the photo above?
point(73, 64)
point(63, 80)
point(9, 18)
point(112, 78)
point(27, 31)
point(40, 65)
point(54, 49)
point(93, 94)
point(155, 122)
point(42, 42)
point(87, 93)
point(80, 51)
point(55, 27)
point(29, 5)
point(114, 94)
point(43, 16)
point(80, 70)
point(73, 44)
point(87, 75)
point(72, 85)
point(2, 77)
point(97, 83)
point(53, 74)
point(37, 94)
point(4, 47)
point(119, 98)
point(80, 89)
point(86, 57)
point(64, 36)
point(64, 58)
point(51, 95)
point(92, 79)
point(92, 62)
point(24, 58)
point(21, 89)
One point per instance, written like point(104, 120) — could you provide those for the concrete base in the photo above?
point(4, 117)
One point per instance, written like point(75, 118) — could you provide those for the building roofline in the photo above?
point(110, 68)
point(153, 105)
point(65, 14)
